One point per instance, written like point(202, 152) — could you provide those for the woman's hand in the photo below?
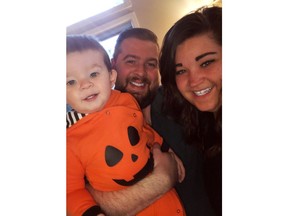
point(180, 166)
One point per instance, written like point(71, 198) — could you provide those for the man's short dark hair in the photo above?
point(139, 33)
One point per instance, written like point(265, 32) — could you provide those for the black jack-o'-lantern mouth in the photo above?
point(140, 175)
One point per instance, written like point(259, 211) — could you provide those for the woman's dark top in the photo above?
point(192, 190)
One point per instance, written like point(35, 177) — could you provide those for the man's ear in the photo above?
point(113, 77)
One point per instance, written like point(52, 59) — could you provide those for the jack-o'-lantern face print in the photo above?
point(124, 157)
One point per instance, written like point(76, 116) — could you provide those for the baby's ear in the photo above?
point(113, 77)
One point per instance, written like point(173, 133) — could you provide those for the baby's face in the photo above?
point(88, 82)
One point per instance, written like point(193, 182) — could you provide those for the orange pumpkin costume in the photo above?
point(109, 147)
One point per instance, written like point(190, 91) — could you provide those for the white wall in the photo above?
point(160, 15)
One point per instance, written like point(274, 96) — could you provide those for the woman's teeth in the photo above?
point(203, 92)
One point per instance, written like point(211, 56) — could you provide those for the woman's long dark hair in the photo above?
point(202, 21)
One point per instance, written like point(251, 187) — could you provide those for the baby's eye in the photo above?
point(179, 72)
point(206, 63)
point(94, 74)
point(71, 82)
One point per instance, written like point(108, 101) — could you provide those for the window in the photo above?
point(107, 24)
point(109, 45)
point(79, 10)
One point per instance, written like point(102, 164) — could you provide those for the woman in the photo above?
point(191, 75)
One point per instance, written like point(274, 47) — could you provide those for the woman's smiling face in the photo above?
point(198, 63)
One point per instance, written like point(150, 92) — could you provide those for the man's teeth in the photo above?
point(137, 84)
point(202, 92)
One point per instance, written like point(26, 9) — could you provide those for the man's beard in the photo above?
point(143, 100)
point(146, 100)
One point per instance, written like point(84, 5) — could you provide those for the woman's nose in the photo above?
point(194, 78)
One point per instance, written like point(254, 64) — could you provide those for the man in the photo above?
point(136, 62)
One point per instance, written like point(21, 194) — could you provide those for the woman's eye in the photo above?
point(179, 72)
point(71, 82)
point(206, 63)
point(94, 74)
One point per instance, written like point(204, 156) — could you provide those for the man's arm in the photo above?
point(135, 198)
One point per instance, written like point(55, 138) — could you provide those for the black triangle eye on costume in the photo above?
point(113, 155)
point(133, 135)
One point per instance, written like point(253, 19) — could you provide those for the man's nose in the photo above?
point(141, 70)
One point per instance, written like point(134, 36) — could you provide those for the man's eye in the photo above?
point(151, 65)
point(131, 61)
point(94, 74)
point(179, 72)
point(71, 82)
point(206, 63)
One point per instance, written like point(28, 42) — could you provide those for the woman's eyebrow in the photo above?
point(197, 58)
point(203, 55)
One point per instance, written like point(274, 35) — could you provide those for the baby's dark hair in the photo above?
point(79, 43)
